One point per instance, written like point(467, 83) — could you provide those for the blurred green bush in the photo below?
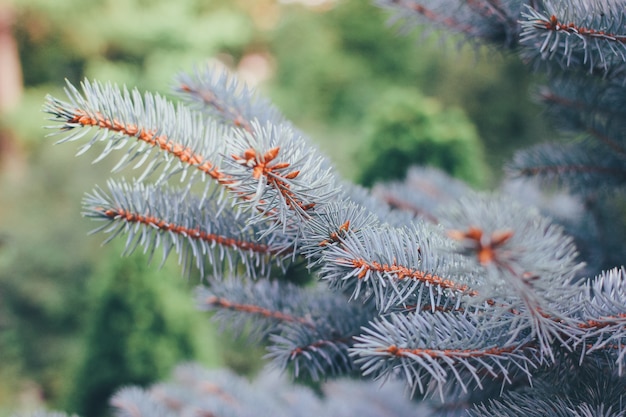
point(142, 324)
point(405, 128)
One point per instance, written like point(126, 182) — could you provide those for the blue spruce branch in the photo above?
point(507, 274)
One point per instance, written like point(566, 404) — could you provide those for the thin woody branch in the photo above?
point(260, 164)
point(551, 97)
point(555, 25)
point(580, 106)
point(571, 169)
point(401, 272)
point(335, 237)
point(211, 99)
point(489, 9)
point(222, 303)
point(602, 322)
point(195, 233)
point(398, 203)
point(149, 136)
point(302, 350)
point(431, 15)
point(396, 351)
point(611, 143)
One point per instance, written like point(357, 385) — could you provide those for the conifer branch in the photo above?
point(246, 173)
point(194, 391)
point(583, 398)
point(196, 233)
point(285, 191)
point(398, 204)
point(373, 208)
point(184, 154)
point(221, 96)
point(532, 261)
point(391, 265)
point(150, 120)
point(563, 170)
point(317, 358)
point(431, 15)
point(515, 404)
point(572, 165)
point(223, 303)
point(485, 299)
point(267, 304)
point(486, 20)
point(603, 315)
point(153, 216)
point(566, 32)
point(554, 25)
point(615, 146)
point(330, 225)
point(308, 331)
point(437, 347)
point(582, 111)
point(421, 193)
point(301, 325)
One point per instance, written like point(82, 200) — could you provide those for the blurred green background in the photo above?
point(76, 319)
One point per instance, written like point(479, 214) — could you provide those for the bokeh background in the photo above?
point(76, 319)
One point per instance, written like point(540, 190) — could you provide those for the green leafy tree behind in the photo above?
point(142, 324)
point(405, 128)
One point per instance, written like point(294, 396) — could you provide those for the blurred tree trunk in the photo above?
point(10, 68)
point(11, 87)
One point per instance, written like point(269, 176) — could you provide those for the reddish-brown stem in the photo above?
point(403, 272)
point(564, 169)
point(260, 166)
point(607, 141)
point(434, 17)
point(492, 8)
point(301, 349)
point(580, 106)
point(336, 236)
point(557, 26)
point(400, 204)
point(195, 233)
point(149, 136)
point(256, 310)
point(394, 350)
point(602, 322)
point(210, 99)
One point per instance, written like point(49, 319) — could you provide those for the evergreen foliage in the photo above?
point(479, 305)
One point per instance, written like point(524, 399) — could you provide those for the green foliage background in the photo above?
point(404, 128)
point(140, 327)
point(335, 70)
